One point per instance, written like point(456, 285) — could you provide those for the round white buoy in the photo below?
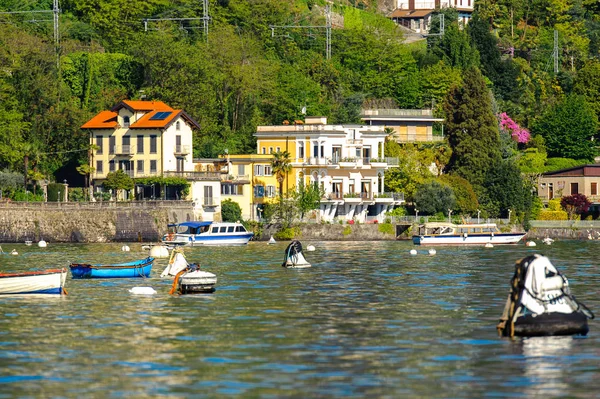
point(146, 247)
point(159, 251)
point(125, 248)
point(42, 244)
point(14, 252)
point(489, 245)
point(530, 243)
point(310, 248)
point(432, 251)
point(143, 291)
point(413, 252)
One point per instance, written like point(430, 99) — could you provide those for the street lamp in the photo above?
point(449, 215)
point(478, 212)
point(416, 214)
point(58, 199)
point(509, 212)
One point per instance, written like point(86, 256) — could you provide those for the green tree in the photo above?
point(118, 180)
point(568, 128)
point(230, 211)
point(434, 197)
point(504, 190)
point(307, 197)
point(466, 199)
point(412, 170)
point(281, 165)
point(472, 129)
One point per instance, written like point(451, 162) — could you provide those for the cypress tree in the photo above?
point(472, 129)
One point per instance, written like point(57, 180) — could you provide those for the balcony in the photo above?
point(128, 150)
point(209, 202)
point(195, 175)
point(235, 178)
point(182, 149)
point(354, 142)
point(389, 198)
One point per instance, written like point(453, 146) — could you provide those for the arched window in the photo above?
point(178, 125)
point(126, 121)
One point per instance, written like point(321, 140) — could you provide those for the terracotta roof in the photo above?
point(398, 13)
point(162, 119)
point(142, 106)
point(104, 120)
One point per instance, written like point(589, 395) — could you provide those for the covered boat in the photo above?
point(294, 258)
point(51, 281)
point(443, 233)
point(137, 268)
point(540, 302)
point(207, 233)
point(188, 278)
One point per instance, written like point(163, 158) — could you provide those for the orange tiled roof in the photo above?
point(143, 106)
point(104, 120)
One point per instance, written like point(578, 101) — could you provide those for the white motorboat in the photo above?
point(207, 233)
point(443, 233)
point(188, 278)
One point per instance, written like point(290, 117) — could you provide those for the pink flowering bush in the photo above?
point(507, 125)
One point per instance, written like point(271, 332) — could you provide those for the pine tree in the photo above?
point(472, 129)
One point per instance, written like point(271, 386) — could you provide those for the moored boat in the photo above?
point(138, 268)
point(540, 302)
point(51, 281)
point(443, 233)
point(207, 233)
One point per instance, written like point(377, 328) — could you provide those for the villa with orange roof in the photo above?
point(151, 139)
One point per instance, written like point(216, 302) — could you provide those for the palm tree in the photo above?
point(281, 165)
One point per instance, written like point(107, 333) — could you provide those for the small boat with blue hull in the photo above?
point(443, 233)
point(138, 268)
point(50, 281)
point(207, 233)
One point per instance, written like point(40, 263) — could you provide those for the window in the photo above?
point(270, 192)
point(230, 229)
point(99, 167)
point(153, 166)
point(215, 229)
point(208, 195)
point(278, 149)
point(594, 189)
point(126, 121)
point(178, 125)
point(240, 229)
point(574, 188)
point(315, 149)
point(270, 150)
point(126, 144)
point(259, 191)
point(99, 142)
point(153, 144)
point(140, 144)
point(140, 167)
point(223, 229)
point(268, 170)
point(111, 144)
point(259, 170)
point(231, 189)
point(241, 170)
point(264, 150)
point(111, 166)
point(301, 149)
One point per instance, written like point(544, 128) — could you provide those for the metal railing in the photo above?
point(124, 149)
point(209, 201)
point(194, 175)
point(182, 149)
point(235, 178)
point(150, 204)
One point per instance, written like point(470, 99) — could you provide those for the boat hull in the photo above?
point(210, 239)
point(470, 239)
point(141, 268)
point(44, 282)
point(197, 282)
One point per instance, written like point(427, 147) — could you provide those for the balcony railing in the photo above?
point(209, 201)
point(235, 178)
point(182, 149)
point(354, 142)
point(194, 175)
point(124, 149)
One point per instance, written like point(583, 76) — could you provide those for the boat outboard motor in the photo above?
point(294, 258)
point(540, 302)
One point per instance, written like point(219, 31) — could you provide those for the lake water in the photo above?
point(367, 320)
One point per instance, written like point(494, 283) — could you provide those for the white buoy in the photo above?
point(413, 252)
point(28, 243)
point(548, 241)
point(310, 248)
point(432, 251)
point(14, 252)
point(143, 291)
point(159, 251)
point(530, 244)
point(42, 244)
point(489, 245)
point(125, 248)
point(146, 247)
point(272, 241)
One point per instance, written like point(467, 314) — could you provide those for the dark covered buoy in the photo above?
point(540, 302)
point(294, 258)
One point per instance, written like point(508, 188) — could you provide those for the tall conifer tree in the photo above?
point(472, 129)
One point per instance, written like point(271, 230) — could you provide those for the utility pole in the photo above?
point(205, 20)
point(555, 52)
point(327, 28)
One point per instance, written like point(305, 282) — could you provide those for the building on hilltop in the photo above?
point(416, 14)
point(346, 161)
point(408, 125)
point(148, 139)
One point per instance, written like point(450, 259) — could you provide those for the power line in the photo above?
point(205, 20)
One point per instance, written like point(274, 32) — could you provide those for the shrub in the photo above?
point(287, 234)
point(347, 230)
point(230, 211)
point(386, 228)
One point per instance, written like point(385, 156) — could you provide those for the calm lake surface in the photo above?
point(367, 320)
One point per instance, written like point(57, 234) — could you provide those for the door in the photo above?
point(180, 164)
